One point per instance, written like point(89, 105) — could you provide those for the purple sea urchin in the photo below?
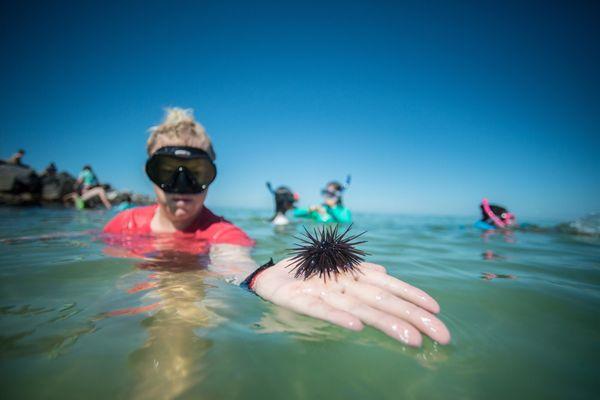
point(326, 252)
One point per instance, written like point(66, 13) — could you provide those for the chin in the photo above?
point(181, 214)
point(180, 207)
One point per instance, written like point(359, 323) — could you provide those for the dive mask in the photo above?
point(331, 195)
point(181, 169)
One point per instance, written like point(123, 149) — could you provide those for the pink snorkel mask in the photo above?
point(505, 218)
point(509, 218)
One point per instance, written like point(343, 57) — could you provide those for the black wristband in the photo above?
point(248, 283)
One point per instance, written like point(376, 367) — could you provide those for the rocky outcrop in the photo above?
point(54, 187)
point(18, 178)
point(21, 185)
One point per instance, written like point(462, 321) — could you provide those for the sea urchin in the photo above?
point(326, 252)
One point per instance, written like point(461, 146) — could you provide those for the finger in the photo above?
point(400, 289)
point(373, 267)
point(385, 301)
point(317, 308)
point(388, 324)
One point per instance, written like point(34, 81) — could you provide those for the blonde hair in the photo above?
point(180, 128)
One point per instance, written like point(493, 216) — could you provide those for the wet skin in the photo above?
point(371, 297)
point(176, 211)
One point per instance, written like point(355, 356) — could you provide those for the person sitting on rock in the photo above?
point(16, 158)
point(88, 187)
point(50, 170)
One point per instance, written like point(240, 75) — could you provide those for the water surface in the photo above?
point(77, 323)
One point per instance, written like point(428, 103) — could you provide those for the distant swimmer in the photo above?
point(332, 209)
point(125, 204)
point(285, 200)
point(494, 217)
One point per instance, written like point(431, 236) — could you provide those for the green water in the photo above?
point(534, 336)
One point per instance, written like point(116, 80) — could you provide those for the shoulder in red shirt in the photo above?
point(207, 227)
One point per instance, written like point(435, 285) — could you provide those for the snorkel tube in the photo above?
point(503, 221)
point(486, 207)
point(348, 181)
point(270, 188)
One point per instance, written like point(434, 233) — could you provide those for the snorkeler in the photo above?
point(125, 204)
point(285, 200)
point(181, 166)
point(332, 209)
point(494, 216)
point(88, 187)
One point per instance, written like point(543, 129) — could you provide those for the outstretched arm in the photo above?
point(233, 262)
point(370, 297)
point(302, 212)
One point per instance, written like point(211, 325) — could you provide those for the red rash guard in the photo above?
point(208, 229)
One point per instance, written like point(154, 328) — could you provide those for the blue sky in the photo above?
point(430, 106)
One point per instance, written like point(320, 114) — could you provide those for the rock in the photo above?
point(21, 199)
point(142, 199)
point(54, 187)
point(18, 179)
point(20, 185)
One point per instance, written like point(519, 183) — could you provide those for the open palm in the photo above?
point(370, 297)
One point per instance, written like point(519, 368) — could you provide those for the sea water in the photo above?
point(76, 322)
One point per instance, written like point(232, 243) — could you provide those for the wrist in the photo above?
point(251, 279)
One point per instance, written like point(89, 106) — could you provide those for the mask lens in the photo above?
point(165, 167)
point(162, 169)
point(328, 195)
point(202, 169)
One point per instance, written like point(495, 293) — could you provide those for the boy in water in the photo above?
point(181, 166)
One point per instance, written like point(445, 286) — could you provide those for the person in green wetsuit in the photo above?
point(88, 187)
point(126, 204)
point(87, 178)
point(332, 209)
